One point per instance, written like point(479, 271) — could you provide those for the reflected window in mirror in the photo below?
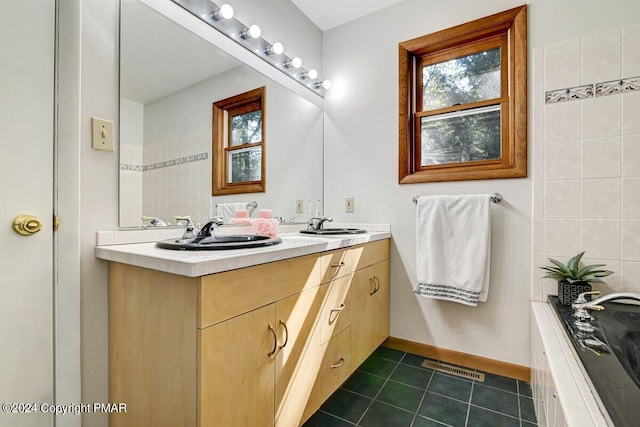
point(463, 101)
point(239, 144)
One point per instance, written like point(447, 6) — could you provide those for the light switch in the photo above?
point(348, 205)
point(102, 131)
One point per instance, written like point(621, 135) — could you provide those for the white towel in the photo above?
point(228, 210)
point(454, 247)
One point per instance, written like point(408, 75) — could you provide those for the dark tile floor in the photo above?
point(392, 389)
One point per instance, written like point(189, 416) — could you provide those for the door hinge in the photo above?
point(56, 222)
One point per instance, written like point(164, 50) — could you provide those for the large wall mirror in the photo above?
point(169, 79)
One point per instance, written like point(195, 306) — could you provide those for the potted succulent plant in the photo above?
point(573, 279)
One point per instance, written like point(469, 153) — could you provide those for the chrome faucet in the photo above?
point(207, 229)
point(189, 230)
point(154, 221)
point(581, 307)
point(315, 223)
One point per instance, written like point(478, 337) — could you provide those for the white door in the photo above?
point(27, 40)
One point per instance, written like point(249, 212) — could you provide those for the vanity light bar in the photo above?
point(221, 18)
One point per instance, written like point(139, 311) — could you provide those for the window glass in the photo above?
point(463, 80)
point(246, 128)
point(464, 136)
point(245, 165)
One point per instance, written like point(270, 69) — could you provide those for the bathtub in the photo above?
point(562, 390)
point(610, 356)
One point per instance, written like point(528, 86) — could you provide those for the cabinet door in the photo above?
point(299, 359)
point(362, 288)
point(380, 274)
point(370, 310)
point(236, 380)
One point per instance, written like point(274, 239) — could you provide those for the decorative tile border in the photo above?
point(615, 87)
point(618, 86)
point(166, 163)
point(571, 94)
point(135, 168)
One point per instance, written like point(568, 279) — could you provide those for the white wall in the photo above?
point(361, 152)
point(361, 144)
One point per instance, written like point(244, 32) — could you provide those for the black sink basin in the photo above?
point(218, 243)
point(334, 231)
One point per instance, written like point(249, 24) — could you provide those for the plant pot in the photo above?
point(569, 291)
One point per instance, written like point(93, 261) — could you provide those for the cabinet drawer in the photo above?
point(231, 293)
point(343, 262)
point(334, 370)
point(336, 310)
point(336, 365)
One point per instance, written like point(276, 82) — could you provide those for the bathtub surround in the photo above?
point(586, 151)
point(615, 87)
point(586, 142)
point(167, 163)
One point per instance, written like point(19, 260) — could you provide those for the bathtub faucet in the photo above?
point(581, 307)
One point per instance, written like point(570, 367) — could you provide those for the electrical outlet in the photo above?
point(102, 134)
point(348, 205)
point(300, 206)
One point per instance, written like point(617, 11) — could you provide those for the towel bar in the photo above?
point(495, 198)
point(249, 205)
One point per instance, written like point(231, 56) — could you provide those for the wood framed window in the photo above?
point(463, 101)
point(239, 130)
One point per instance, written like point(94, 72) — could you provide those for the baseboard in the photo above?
point(484, 364)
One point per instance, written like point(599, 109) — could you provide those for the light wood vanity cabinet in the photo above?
point(259, 346)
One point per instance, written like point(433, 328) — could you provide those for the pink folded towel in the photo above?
point(241, 221)
point(265, 213)
point(242, 213)
point(264, 227)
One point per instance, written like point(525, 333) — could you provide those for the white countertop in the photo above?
point(137, 247)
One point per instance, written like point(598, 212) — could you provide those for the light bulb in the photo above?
point(224, 12)
point(293, 63)
point(311, 74)
point(325, 84)
point(253, 32)
point(276, 48)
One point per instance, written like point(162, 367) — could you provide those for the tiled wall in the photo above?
point(130, 185)
point(586, 155)
point(166, 179)
point(177, 177)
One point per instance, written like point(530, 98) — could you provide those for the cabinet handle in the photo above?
point(342, 306)
point(286, 332)
point(339, 364)
point(375, 281)
point(275, 341)
point(340, 264)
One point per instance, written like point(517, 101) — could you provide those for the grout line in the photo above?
point(337, 417)
point(466, 420)
point(519, 406)
point(424, 395)
point(380, 390)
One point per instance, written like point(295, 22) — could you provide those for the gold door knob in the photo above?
point(27, 225)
